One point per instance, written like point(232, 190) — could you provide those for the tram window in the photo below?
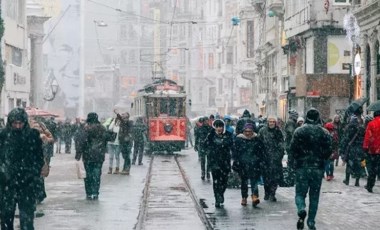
point(173, 107)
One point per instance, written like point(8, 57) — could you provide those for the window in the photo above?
point(229, 55)
point(250, 40)
point(210, 61)
point(377, 47)
point(341, 2)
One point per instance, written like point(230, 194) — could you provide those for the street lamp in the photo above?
point(52, 91)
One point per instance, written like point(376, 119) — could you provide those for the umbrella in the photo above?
point(375, 106)
point(36, 112)
point(355, 105)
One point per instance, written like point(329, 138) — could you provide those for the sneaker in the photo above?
point(203, 177)
point(328, 178)
point(301, 220)
point(125, 172)
point(345, 182)
point(243, 201)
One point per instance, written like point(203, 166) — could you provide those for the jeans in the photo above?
point(114, 152)
point(254, 186)
point(329, 167)
point(138, 150)
point(205, 169)
point(92, 180)
point(125, 149)
point(308, 180)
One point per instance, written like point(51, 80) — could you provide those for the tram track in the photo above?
point(168, 198)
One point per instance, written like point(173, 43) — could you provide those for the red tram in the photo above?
point(162, 105)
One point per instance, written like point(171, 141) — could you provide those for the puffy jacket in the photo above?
point(372, 137)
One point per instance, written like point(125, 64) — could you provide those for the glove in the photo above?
point(363, 163)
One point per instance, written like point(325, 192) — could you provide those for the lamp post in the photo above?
point(52, 90)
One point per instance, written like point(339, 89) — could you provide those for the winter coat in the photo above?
point(250, 154)
point(92, 143)
point(219, 148)
point(372, 137)
point(21, 157)
point(273, 141)
point(125, 132)
point(353, 151)
point(138, 132)
point(310, 146)
point(200, 137)
point(289, 129)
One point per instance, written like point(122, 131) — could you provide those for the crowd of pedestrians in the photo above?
point(27, 145)
point(254, 148)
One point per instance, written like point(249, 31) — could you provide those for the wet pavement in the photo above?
point(341, 206)
point(66, 206)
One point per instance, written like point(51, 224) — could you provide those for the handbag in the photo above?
point(81, 172)
point(110, 135)
point(45, 170)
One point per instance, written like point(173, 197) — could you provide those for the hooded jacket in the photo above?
point(311, 144)
point(219, 149)
point(245, 118)
point(21, 155)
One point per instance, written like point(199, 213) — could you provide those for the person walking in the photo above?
point(245, 118)
point(249, 159)
point(92, 148)
point(139, 132)
point(125, 140)
point(371, 146)
point(329, 164)
point(310, 147)
point(67, 135)
point(273, 140)
point(351, 149)
point(21, 162)
point(219, 144)
point(113, 147)
point(200, 135)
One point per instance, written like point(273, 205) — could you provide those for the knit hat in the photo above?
point(293, 114)
point(92, 118)
point(312, 116)
point(329, 126)
point(249, 126)
point(300, 119)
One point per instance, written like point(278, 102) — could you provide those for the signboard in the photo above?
point(313, 94)
point(357, 64)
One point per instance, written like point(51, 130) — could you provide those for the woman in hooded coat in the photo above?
point(249, 155)
point(273, 140)
point(219, 143)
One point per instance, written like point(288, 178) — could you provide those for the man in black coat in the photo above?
point(310, 146)
point(200, 136)
point(21, 161)
point(245, 118)
point(92, 147)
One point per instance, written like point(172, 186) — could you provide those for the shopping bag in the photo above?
point(81, 172)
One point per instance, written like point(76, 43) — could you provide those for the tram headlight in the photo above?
point(168, 127)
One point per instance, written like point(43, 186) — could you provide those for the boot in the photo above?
point(255, 200)
point(203, 175)
point(116, 171)
point(347, 180)
point(357, 182)
point(110, 170)
point(244, 201)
